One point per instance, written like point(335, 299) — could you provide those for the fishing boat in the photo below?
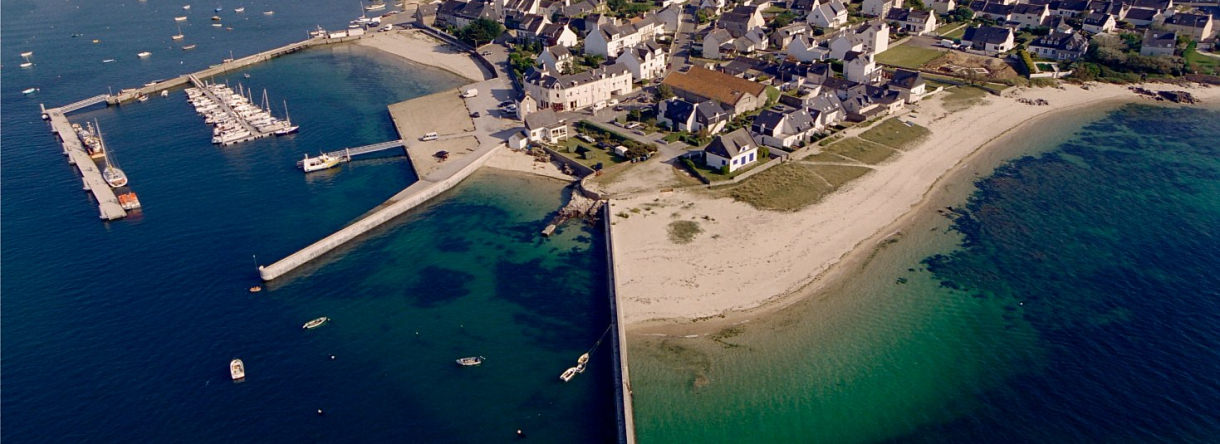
point(188, 47)
point(237, 369)
point(316, 323)
point(29, 90)
point(288, 127)
point(470, 361)
point(181, 18)
point(143, 54)
point(322, 162)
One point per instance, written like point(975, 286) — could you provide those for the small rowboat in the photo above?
point(316, 323)
point(470, 361)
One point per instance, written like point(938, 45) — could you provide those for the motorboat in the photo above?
point(27, 64)
point(237, 369)
point(322, 162)
point(181, 18)
point(29, 90)
point(316, 323)
point(186, 7)
point(470, 361)
point(268, 12)
point(569, 374)
point(375, 6)
point(188, 47)
point(177, 36)
point(240, 10)
point(27, 53)
point(143, 54)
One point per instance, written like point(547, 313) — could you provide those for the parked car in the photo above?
point(429, 136)
point(585, 138)
point(632, 125)
point(506, 103)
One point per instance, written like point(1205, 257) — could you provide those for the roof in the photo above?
point(714, 85)
point(546, 80)
point(1142, 14)
point(1160, 39)
point(1151, 4)
point(720, 36)
point(559, 51)
point(709, 111)
point(985, 7)
point(1188, 20)
point(678, 110)
point(1028, 9)
point(1096, 19)
point(987, 34)
point(1062, 41)
point(545, 118)
point(906, 79)
point(731, 144)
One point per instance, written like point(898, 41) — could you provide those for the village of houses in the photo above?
point(730, 85)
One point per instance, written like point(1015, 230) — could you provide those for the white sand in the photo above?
point(523, 162)
point(747, 258)
point(414, 45)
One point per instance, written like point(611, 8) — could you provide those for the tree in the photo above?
point(917, 4)
point(664, 92)
point(703, 16)
point(481, 31)
point(593, 60)
point(782, 19)
point(961, 14)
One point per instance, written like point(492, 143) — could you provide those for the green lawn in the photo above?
point(861, 150)
point(1199, 62)
point(593, 156)
point(908, 56)
point(942, 29)
point(955, 34)
point(895, 134)
point(786, 187)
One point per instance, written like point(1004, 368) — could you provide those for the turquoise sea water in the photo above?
point(123, 331)
point(1070, 298)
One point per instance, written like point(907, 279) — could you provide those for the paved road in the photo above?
point(680, 56)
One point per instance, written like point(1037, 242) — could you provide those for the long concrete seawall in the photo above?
point(622, 375)
point(411, 197)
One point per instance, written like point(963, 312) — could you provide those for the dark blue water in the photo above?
point(1108, 247)
point(123, 331)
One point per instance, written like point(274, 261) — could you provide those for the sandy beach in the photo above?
point(747, 260)
point(414, 45)
point(523, 162)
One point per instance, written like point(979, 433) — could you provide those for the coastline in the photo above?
point(413, 45)
point(817, 247)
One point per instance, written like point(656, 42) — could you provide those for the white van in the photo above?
point(472, 92)
point(429, 136)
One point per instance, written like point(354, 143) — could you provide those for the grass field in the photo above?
point(908, 56)
point(1201, 63)
point(838, 175)
point(592, 157)
point(787, 187)
point(942, 29)
point(823, 156)
point(861, 150)
point(895, 134)
point(962, 97)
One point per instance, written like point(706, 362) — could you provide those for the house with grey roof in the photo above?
point(741, 20)
point(545, 126)
point(1142, 17)
point(1060, 46)
point(1098, 23)
point(734, 150)
point(683, 115)
point(910, 85)
point(1158, 43)
point(716, 44)
point(1197, 26)
point(557, 59)
point(989, 40)
point(784, 127)
point(577, 91)
point(911, 20)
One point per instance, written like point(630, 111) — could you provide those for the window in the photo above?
point(751, 157)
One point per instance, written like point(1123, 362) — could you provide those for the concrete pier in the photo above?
point(107, 203)
point(622, 376)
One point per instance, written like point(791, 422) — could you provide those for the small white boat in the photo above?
point(107, 60)
point(376, 6)
point(216, 25)
point(181, 18)
point(143, 54)
point(165, 93)
point(240, 10)
point(470, 361)
point(322, 162)
point(268, 12)
point(569, 374)
point(188, 47)
point(27, 53)
point(186, 7)
point(29, 90)
point(27, 65)
point(316, 323)
point(237, 369)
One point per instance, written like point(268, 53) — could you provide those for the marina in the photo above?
point(235, 119)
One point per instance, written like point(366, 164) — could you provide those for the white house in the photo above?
point(804, 48)
point(714, 41)
point(741, 20)
point(577, 91)
point(878, 8)
point(735, 150)
point(645, 61)
point(682, 115)
point(860, 68)
point(557, 59)
point(755, 40)
point(559, 34)
point(843, 43)
point(609, 40)
point(1099, 23)
point(909, 84)
point(1030, 15)
point(784, 128)
point(913, 21)
point(546, 127)
point(988, 39)
point(873, 36)
point(829, 14)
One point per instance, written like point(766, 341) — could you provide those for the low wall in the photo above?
point(576, 166)
point(624, 412)
point(423, 192)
